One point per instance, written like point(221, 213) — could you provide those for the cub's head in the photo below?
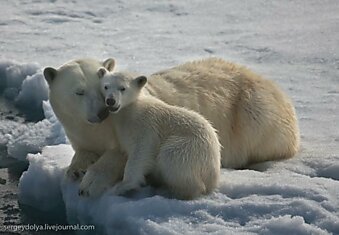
point(120, 89)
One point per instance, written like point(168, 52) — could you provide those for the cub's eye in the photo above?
point(106, 87)
point(80, 93)
point(122, 89)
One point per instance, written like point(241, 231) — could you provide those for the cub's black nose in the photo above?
point(110, 101)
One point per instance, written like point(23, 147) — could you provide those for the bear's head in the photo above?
point(74, 90)
point(120, 89)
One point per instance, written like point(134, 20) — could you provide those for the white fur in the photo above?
point(78, 114)
point(175, 146)
point(255, 120)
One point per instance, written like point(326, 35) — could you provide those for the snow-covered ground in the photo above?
point(295, 43)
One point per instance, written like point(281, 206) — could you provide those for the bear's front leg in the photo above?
point(80, 162)
point(103, 174)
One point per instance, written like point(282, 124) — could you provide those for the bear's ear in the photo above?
point(50, 74)
point(109, 64)
point(101, 72)
point(141, 81)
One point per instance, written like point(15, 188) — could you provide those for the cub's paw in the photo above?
point(95, 183)
point(124, 188)
point(74, 173)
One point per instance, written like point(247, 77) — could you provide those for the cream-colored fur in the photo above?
point(177, 147)
point(254, 119)
point(74, 93)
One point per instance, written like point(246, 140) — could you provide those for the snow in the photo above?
point(292, 42)
point(278, 199)
point(41, 183)
point(21, 139)
point(25, 86)
point(33, 91)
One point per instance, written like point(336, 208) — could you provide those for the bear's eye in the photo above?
point(80, 93)
point(122, 89)
point(106, 87)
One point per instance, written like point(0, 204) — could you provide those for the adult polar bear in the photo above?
point(255, 120)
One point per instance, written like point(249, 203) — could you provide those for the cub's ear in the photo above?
point(101, 72)
point(50, 74)
point(141, 81)
point(109, 64)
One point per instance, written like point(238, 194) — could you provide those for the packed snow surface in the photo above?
point(298, 196)
point(292, 42)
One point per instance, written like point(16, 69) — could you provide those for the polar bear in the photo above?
point(74, 94)
point(254, 119)
point(175, 146)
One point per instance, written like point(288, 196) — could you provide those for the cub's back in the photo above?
point(167, 119)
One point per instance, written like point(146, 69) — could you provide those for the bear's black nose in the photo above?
point(110, 101)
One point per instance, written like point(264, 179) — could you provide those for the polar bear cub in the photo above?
point(174, 147)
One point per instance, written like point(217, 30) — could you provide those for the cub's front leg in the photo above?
point(80, 162)
point(138, 165)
